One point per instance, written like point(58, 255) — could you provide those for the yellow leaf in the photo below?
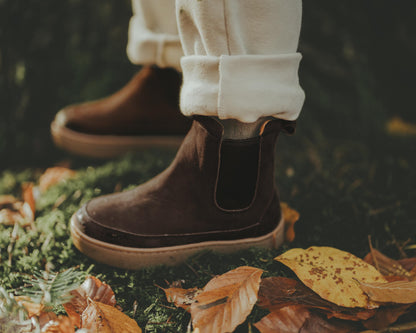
point(333, 274)
point(396, 126)
point(226, 300)
point(290, 217)
point(103, 318)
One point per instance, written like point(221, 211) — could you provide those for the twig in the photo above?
point(372, 253)
point(192, 269)
point(403, 328)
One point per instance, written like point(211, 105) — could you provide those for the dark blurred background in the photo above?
point(358, 67)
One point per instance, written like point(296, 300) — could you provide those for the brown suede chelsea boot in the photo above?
point(217, 194)
point(143, 113)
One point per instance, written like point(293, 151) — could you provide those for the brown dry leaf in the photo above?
point(332, 274)
point(10, 217)
point(53, 176)
point(386, 265)
point(33, 309)
point(13, 211)
point(103, 318)
point(396, 126)
point(61, 324)
point(278, 292)
point(226, 300)
point(45, 317)
point(289, 319)
point(385, 317)
point(183, 298)
point(7, 201)
point(290, 217)
point(408, 264)
point(92, 288)
point(316, 323)
point(28, 197)
point(401, 292)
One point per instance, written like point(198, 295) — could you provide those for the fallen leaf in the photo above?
point(103, 318)
point(332, 274)
point(315, 323)
point(13, 211)
point(7, 201)
point(54, 176)
point(61, 324)
point(226, 300)
point(28, 197)
point(278, 292)
point(386, 265)
point(45, 317)
point(402, 292)
point(385, 316)
point(92, 288)
point(408, 264)
point(10, 217)
point(290, 217)
point(397, 126)
point(183, 298)
point(289, 319)
point(33, 309)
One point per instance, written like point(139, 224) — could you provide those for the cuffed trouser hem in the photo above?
point(153, 34)
point(242, 87)
point(148, 48)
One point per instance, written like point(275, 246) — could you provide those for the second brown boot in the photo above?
point(217, 194)
point(144, 113)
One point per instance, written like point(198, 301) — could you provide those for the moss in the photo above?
point(344, 190)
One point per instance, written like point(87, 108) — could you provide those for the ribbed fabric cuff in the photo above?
point(242, 87)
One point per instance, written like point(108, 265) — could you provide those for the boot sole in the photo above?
point(136, 258)
point(108, 146)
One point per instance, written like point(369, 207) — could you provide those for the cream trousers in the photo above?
point(238, 57)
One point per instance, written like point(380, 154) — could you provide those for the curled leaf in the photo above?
point(183, 298)
point(92, 288)
point(103, 318)
point(226, 300)
point(332, 274)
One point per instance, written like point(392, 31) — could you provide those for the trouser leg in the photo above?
point(153, 34)
point(240, 58)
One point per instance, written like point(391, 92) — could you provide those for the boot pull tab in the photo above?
point(279, 125)
point(288, 126)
